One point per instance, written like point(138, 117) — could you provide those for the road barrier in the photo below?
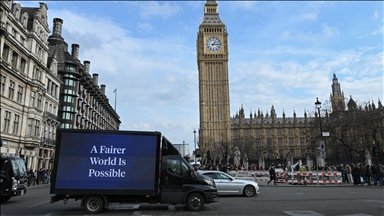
point(312, 177)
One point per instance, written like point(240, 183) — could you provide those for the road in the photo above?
point(273, 200)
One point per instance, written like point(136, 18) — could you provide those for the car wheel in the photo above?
point(195, 202)
point(249, 191)
point(93, 204)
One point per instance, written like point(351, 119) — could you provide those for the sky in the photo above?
point(281, 53)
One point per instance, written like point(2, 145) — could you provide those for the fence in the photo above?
point(331, 177)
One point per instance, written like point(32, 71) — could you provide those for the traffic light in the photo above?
point(382, 151)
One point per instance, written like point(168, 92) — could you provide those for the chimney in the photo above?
point(75, 51)
point(86, 66)
point(95, 78)
point(102, 86)
point(57, 26)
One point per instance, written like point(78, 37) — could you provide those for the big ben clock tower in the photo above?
point(212, 61)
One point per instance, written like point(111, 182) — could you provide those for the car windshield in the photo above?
point(223, 176)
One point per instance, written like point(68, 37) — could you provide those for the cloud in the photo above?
point(159, 9)
point(329, 31)
point(308, 16)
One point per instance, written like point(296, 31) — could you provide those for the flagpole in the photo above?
point(115, 97)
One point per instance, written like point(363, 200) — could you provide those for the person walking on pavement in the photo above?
point(272, 174)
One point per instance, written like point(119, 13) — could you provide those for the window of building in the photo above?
point(280, 141)
point(290, 131)
point(29, 126)
point(11, 89)
point(7, 120)
point(291, 143)
point(5, 53)
point(15, 58)
point(302, 141)
point(37, 128)
point(16, 124)
point(268, 131)
point(22, 65)
point(2, 90)
point(257, 142)
point(32, 102)
point(279, 131)
point(69, 99)
point(20, 94)
point(39, 101)
point(67, 115)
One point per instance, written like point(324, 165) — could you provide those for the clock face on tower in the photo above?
point(213, 44)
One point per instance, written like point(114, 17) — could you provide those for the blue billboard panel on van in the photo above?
point(107, 161)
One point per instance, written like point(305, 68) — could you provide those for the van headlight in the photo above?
point(14, 185)
point(209, 182)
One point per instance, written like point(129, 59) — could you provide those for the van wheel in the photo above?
point(195, 202)
point(93, 204)
point(249, 191)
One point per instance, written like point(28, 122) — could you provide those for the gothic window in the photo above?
point(280, 141)
point(279, 131)
point(291, 143)
point(290, 131)
point(29, 127)
point(302, 141)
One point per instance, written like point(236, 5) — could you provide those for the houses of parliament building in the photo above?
point(257, 136)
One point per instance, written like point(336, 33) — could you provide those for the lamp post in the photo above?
point(318, 106)
point(194, 135)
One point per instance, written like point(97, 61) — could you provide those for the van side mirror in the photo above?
point(3, 174)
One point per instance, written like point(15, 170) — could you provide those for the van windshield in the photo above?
point(18, 167)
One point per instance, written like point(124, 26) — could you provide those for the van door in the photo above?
point(175, 174)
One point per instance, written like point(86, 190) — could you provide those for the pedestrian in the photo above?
point(356, 174)
point(374, 173)
point(343, 173)
point(349, 173)
point(362, 174)
point(272, 174)
point(368, 175)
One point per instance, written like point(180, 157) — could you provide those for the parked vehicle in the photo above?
point(14, 177)
point(227, 185)
point(103, 167)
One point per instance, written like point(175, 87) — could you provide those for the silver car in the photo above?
point(227, 185)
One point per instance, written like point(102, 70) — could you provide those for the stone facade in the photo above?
point(29, 87)
point(33, 104)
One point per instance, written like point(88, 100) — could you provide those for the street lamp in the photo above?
point(318, 106)
point(194, 135)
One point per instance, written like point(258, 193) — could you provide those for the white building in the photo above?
point(29, 88)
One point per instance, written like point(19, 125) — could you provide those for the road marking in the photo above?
point(38, 204)
point(298, 213)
